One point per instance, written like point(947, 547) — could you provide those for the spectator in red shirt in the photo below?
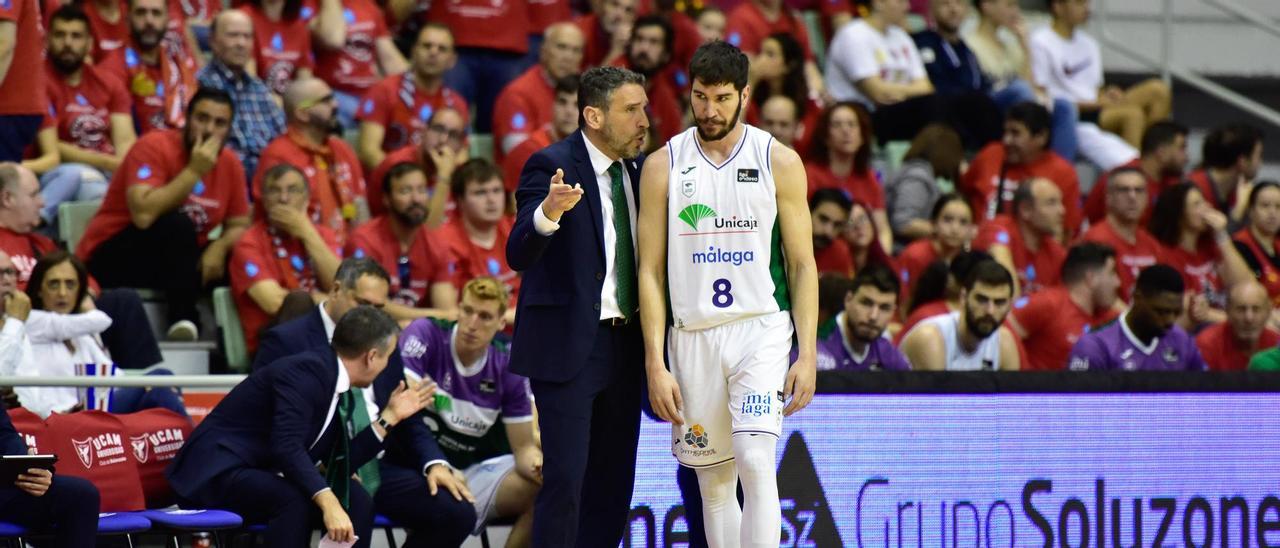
point(1228, 345)
point(564, 121)
point(443, 148)
point(526, 104)
point(607, 31)
point(840, 157)
point(778, 71)
point(95, 129)
point(394, 112)
point(1025, 241)
point(649, 53)
point(492, 38)
point(1163, 158)
point(161, 78)
point(475, 242)
point(829, 209)
point(282, 251)
point(1122, 229)
point(1194, 241)
point(21, 72)
point(400, 243)
point(109, 21)
point(952, 231)
point(1051, 321)
point(1000, 168)
point(543, 14)
point(282, 41)
point(752, 21)
point(1231, 158)
point(172, 189)
point(365, 55)
point(1256, 241)
point(337, 194)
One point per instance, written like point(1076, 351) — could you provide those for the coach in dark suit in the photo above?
point(577, 333)
point(256, 454)
point(65, 506)
point(417, 485)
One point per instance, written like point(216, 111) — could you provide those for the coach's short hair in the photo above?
point(597, 84)
point(351, 269)
point(362, 329)
point(719, 62)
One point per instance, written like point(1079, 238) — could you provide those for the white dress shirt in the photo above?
point(43, 351)
point(600, 163)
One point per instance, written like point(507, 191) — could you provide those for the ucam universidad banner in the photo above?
point(1007, 470)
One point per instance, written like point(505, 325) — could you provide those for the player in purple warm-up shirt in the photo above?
point(858, 342)
point(1146, 337)
point(475, 390)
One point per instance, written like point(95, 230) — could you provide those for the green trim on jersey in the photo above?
point(778, 269)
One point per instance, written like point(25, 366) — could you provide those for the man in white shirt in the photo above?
point(1067, 62)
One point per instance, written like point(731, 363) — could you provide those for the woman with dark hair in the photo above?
point(64, 330)
point(935, 153)
point(840, 157)
point(952, 230)
point(1194, 240)
point(779, 70)
point(282, 34)
point(863, 237)
point(1256, 242)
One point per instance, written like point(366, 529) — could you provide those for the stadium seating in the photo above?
point(228, 320)
point(73, 217)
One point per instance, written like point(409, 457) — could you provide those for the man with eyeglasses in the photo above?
point(399, 242)
point(282, 252)
point(440, 149)
point(829, 208)
point(338, 199)
point(1136, 249)
point(475, 242)
point(393, 112)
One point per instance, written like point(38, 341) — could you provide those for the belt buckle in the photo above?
point(616, 321)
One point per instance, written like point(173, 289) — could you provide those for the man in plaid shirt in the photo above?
point(259, 118)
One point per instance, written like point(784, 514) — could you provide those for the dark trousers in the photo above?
point(973, 115)
point(130, 340)
point(17, 132)
point(590, 428)
point(68, 511)
point(133, 399)
point(480, 76)
point(163, 257)
point(260, 496)
point(438, 521)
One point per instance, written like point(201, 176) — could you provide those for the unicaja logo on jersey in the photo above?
point(693, 215)
point(716, 255)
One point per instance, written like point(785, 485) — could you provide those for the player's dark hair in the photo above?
point(988, 272)
point(473, 170)
point(362, 329)
point(832, 195)
point(878, 276)
point(206, 93)
point(351, 269)
point(279, 170)
point(719, 62)
point(1032, 115)
point(1084, 258)
point(1166, 215)
point(1158, 278)
point(1162, 133)
point(944, 201)
point(1225, 145)
point(71, 12)
point(41, 269)
point(597, 84)
point(396, 172)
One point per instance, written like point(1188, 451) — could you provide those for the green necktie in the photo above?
point(359, 416)
point(353, 418)
point(624, 258)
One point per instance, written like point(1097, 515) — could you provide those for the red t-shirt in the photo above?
point(1222, 352)
point(489, 24)
point(465, 260)
point(544, 13)
point(835, 258)
point(1199, 270)
point(25, 250)
point(337, 181)
point(84, 111)
point(376, 241)
point(864, 187)
point(513, 164)
point(200, 10)
point(1267, 273)
point(160, 92)
point(913, 260)
point(20, 89)
point(1053, 323)
point(1207, 189)
point(524, 106)
point(1131, 258)
point(1095, 205)
point(282, 47)
point(263, 254)
point(354, 68)
point(403, 109)
point(154, 160)
point(407, 154)
point(746, 27)
point(979, 183)
point(107, 36)
point(1036, 270)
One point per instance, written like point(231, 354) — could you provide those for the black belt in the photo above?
point(615, 322)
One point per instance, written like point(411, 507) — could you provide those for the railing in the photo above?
point(1169, 70)
point(172, 381)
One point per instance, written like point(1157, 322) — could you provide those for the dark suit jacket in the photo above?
point(11, 443)
point(564, 272)
point(410, 443)
point(269, 422)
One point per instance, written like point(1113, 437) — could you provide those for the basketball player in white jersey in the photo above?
point(726, 248)
point(972, 339)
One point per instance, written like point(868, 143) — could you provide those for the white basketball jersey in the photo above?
point(985, 358)
point(724, 247)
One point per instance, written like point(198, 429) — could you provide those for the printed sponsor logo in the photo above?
point(106, 449)
point(748, 175)
point(413, 347)
point(140, 447)
point(757, 404)
point(716, 255)
point(694, 214)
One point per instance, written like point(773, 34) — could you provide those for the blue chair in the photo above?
point(126, 524)
point(11, 532)
point(175, 522)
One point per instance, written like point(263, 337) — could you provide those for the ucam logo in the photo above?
point(716, 255)
point(693, 214)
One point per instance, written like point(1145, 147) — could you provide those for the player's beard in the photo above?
point(980, 326)
point(862, 332)
point(733, 122)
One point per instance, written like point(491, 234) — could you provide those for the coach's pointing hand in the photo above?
point(561, 197)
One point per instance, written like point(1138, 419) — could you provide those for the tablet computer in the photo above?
point(12, 465)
